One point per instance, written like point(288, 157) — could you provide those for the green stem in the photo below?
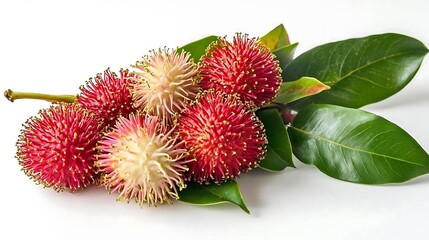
point(12, 96)
point(276, 105)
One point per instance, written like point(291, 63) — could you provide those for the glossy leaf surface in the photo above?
point(359, 71)
point(356, 146)
point(198, 48)
point(199, 194)
point(279, 151)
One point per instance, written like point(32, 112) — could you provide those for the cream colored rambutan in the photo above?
point(141, 161)
point(166, 82)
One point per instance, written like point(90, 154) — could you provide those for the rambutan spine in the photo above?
point(108, 96)
point(142, 160)
point(244, 67)
point(166, 81)
point(223, 137)
point(57, 148)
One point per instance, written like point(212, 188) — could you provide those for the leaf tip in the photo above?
point(292, 166)
point(243, 207)
point(281, 26)
point(246, 210)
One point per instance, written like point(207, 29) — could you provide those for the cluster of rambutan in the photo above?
point(145, 133)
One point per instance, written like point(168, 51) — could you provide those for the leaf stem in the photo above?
point(276, 105)
point(12, 96)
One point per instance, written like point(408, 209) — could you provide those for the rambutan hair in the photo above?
point(243, 67)
point(223, 137)
point(57, 148)
point(108, 96)
point(166, 82)
point(140, 160)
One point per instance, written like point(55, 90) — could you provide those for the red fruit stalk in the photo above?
point(57, 148)
point(244, 67)
point(223, 137)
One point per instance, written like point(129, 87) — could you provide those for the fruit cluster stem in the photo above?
point(278, 106)
point(12, 96)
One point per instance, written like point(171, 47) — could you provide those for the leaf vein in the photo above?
point(354, 149)
point(367, 65)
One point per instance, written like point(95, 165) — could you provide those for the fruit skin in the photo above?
point(108, 96)
point(222, 135)
point(166, 82)
point(243, 67)
point(140, 160)
point(57, 148)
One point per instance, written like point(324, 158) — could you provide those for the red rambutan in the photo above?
point(57, 148)
point(142, 161)
point(244, 67)
point(108, 96)
point(223, 137)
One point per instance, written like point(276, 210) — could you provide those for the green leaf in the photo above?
point(276, 38)
point(198, 48)
point(199, 194)
point(279, 151)
point(356, 146)
point(303, 87)
point(359, 71)
point(285, 54)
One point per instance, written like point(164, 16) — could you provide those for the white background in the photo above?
point(54, 46)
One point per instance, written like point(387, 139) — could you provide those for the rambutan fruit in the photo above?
point(57, 148)
point(244, 67)
point(141, 161)
point(108, 96)
point(222, 135)
point(167, 80)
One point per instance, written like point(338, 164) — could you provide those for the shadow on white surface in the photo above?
point(420, 96)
